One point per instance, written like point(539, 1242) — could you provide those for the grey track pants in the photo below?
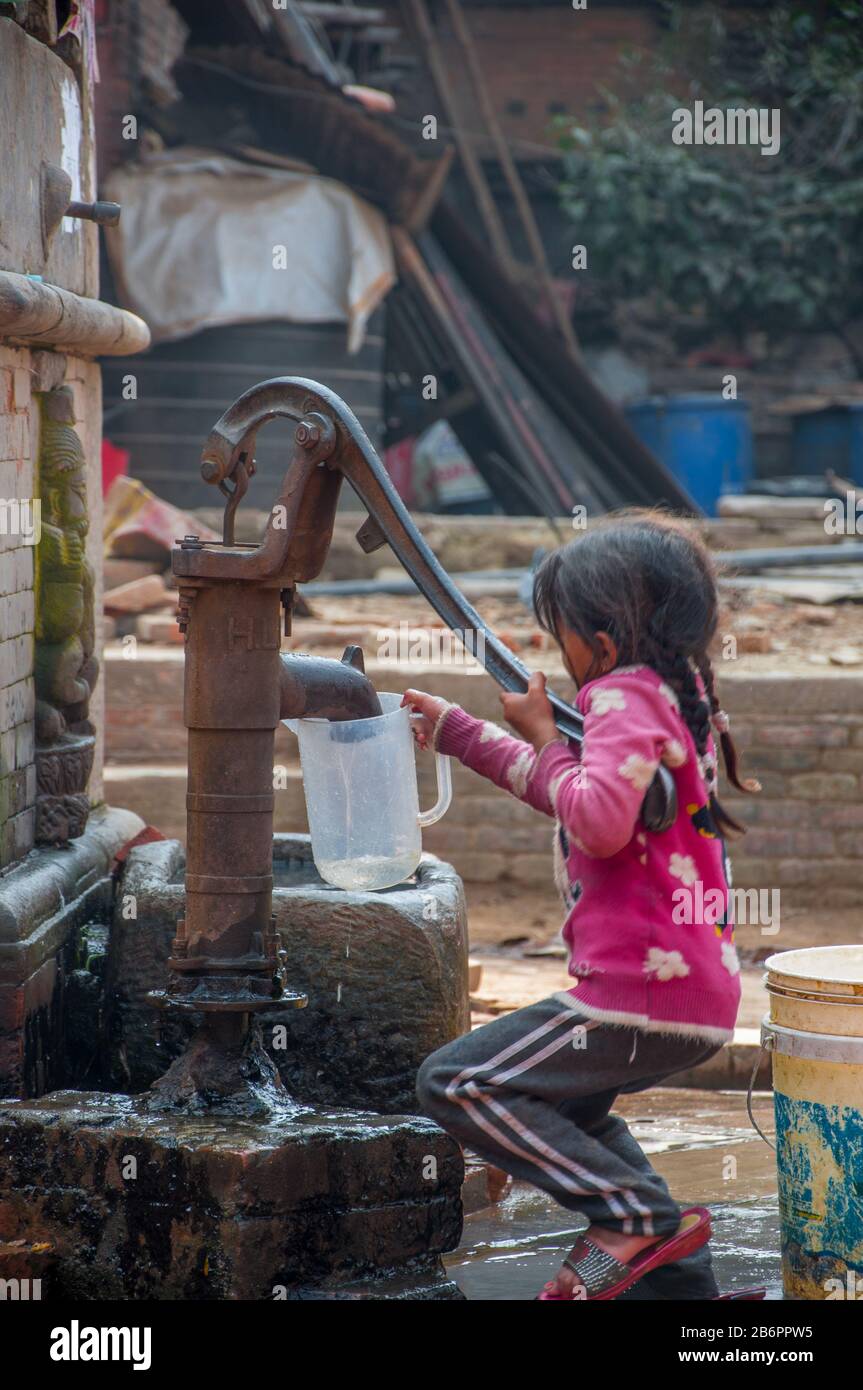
point(532, 1091)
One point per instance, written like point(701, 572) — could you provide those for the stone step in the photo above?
point(489, 836)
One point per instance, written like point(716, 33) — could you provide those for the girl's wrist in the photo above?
point(543, 737)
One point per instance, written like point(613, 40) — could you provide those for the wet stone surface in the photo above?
point(385, 974)
point(314, 1204)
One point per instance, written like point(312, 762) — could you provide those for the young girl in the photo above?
point(633, 606)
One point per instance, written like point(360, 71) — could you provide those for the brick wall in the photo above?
point(17, 768)
point(801, 735)
point(537, 62)
point(22, 372)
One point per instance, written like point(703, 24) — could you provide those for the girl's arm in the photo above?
point(486, 748)
point(493, 753)
point(629, 727)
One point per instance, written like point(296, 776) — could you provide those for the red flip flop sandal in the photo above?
point(603, 1277)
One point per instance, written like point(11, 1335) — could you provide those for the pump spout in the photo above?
point(319, 687)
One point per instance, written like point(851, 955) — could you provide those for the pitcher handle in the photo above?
point(444, 791)
point(444, 786)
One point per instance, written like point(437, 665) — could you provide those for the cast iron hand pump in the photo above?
point(226, 963)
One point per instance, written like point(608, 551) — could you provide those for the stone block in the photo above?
point(24, 745)
point(44, 901)
point(17, 615)
point(158, 627)
point(7, 753)
point(138, 595)
point(143, 1206)
point(7, 573)
point(116, 572)
point(24, 566)
point(385, 974)
point(801, 735)
point(16, 659)
point(825, 786)
point(14, 436)
point(21, 388)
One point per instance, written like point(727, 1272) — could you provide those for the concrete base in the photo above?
point(313, 1205)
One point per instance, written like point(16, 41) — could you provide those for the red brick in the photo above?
point(825, 786)
point(787, 759)
point(801, 735)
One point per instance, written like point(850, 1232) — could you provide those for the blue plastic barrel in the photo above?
point(705, 441)
point(831, 438)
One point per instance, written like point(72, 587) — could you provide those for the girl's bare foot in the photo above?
point(623, 1247)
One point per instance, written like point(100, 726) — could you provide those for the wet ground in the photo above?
point(705, 1148)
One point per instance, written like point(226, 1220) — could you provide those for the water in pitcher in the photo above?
point(367, 872)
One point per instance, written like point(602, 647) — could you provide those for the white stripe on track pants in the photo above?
point(531, 1092)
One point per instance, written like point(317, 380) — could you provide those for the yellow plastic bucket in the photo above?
point(815, 1034)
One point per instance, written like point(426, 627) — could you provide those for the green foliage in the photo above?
point(722, 233)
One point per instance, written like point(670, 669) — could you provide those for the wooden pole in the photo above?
point(513, 178)
point(37, 314)
point(473, 169)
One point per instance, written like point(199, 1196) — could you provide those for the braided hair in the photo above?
point(647, 580)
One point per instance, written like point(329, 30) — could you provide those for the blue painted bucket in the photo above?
point(831, 438)
point(815, 1035)
point(705, 441)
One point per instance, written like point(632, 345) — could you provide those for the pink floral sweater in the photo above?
point(648, 929)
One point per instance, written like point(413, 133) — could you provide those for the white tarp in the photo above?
point(205, 239)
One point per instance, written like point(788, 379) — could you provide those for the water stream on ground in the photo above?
point(511, 1249)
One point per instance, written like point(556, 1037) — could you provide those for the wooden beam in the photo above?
point(33, 313)
point(479, 361)
point(351, 16)
point(426, 200)
point(473, 169)
point(513, 178)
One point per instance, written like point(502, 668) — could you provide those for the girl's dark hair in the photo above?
point(648, 580)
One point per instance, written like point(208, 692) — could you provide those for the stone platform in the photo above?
point(315, 1204)
point(385, 974)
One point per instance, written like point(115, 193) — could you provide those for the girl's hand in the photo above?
point(431, 707)
point(531, 714)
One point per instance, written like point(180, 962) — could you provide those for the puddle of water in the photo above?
point(510, 1250)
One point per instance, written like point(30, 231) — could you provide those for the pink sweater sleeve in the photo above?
point(627, 726)
point(493, 753)
point(597, 797)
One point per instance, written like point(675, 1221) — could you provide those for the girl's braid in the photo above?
point(729, 751)
point(677, 670)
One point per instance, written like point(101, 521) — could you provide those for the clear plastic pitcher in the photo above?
point(360, 781)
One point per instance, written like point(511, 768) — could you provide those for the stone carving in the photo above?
point(66, 668)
